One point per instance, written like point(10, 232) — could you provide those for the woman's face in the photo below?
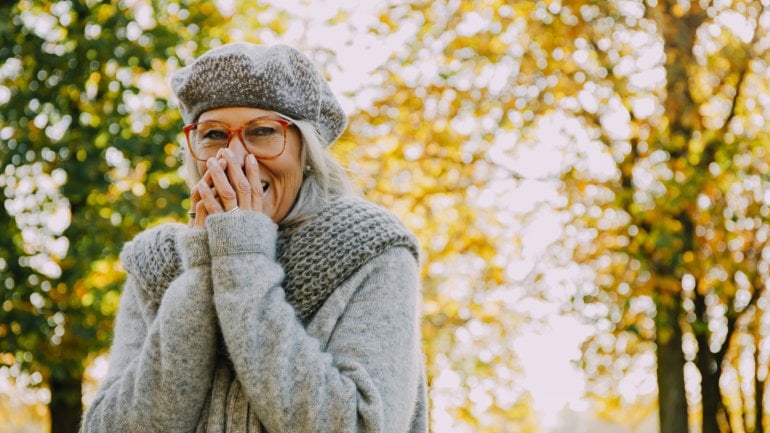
point(282, 176)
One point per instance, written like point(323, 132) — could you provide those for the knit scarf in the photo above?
point(317, 256)
point(329, 248)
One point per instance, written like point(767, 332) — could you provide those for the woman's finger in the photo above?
point(224, 190)
point(206, 178)
point(208, 200)
point(200, 215)
point(252, 173)
point(238, 180)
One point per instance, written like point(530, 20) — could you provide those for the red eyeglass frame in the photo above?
point(230, 131)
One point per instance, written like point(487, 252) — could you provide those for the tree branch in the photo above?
point(743, 71)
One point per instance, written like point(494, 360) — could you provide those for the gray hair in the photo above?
point(324, 179)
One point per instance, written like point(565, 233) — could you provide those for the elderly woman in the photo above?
point(287, 304)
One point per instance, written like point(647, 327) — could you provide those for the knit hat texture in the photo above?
point(277, 78)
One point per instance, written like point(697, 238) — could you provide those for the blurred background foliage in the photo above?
point(605, 162)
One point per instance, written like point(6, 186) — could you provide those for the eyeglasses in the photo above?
point(264, 138)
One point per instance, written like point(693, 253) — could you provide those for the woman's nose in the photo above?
point(238, 148)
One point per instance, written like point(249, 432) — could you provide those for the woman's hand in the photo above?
point(226, 186)
point(197, 207)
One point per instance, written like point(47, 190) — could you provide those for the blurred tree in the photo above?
point(659, 110)
point(87, 150)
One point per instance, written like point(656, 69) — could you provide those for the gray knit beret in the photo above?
point(277, 78)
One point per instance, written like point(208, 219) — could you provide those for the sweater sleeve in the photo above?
point(161, 368)
point(364, 380)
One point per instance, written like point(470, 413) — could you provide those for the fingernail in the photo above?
point(252, 159)
point(211, 161)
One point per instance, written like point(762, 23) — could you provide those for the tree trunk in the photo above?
point(710, 393)
point(759, 384)
point(66, 404)
point(672, 401)
point(759, 401)
point(710, 371)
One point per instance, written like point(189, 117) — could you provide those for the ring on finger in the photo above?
point(192, 214)
point(235, 209)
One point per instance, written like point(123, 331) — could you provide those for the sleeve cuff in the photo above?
point(241, 233)
point(193, 247)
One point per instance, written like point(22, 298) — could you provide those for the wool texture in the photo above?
point(320, 256)
point(277, 78)
point(351, 363)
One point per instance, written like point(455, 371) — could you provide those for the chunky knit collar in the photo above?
point(316, 257)
point(153, 259)
point(329, 248)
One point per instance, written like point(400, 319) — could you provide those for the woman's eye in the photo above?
point(262, 131)
point(214, 134)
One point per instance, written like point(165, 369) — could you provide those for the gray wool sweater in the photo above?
point(206, 341)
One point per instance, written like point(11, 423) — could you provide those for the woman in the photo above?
point(287, 304)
